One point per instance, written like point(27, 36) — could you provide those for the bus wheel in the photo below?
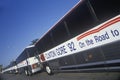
point(26, 72)
point(29, 73)
point(48, 70)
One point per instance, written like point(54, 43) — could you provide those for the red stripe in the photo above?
point(99, 29)
point(42, 57)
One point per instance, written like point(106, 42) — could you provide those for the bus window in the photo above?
point(69, 60)
point(31, 52)
point(47, 40)
point(79, 58)
point(112, 51)
point(22, 57)
point(105, 9)
point(81, 19)
point(59, 33)
point(93, 55)
point(45, 43)
point(39, 47)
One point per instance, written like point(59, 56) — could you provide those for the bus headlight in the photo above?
point(35, 65)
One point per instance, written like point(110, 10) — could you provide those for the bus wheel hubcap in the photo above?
point(48, 69)
point(26, 72)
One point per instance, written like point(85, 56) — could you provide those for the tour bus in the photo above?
point(6, 69)
point(11, 68)
point(86, 39)
point(28, 61)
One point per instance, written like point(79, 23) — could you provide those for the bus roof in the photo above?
point(61, 19)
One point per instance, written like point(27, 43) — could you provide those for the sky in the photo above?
point(22, 21)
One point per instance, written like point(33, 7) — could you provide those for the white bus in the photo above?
point(11, 68)
point(86, 39)
point(28, 62)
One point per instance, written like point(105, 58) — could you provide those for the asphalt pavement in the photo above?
point(63, 76)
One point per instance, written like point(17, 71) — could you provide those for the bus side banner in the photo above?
point(102, 34)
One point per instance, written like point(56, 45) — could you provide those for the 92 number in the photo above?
point(71, 46)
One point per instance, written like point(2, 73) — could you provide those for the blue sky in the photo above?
point(22, 21)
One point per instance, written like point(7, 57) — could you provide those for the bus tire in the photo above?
point(26, 72)
point(48, 70)
point(29, 73)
